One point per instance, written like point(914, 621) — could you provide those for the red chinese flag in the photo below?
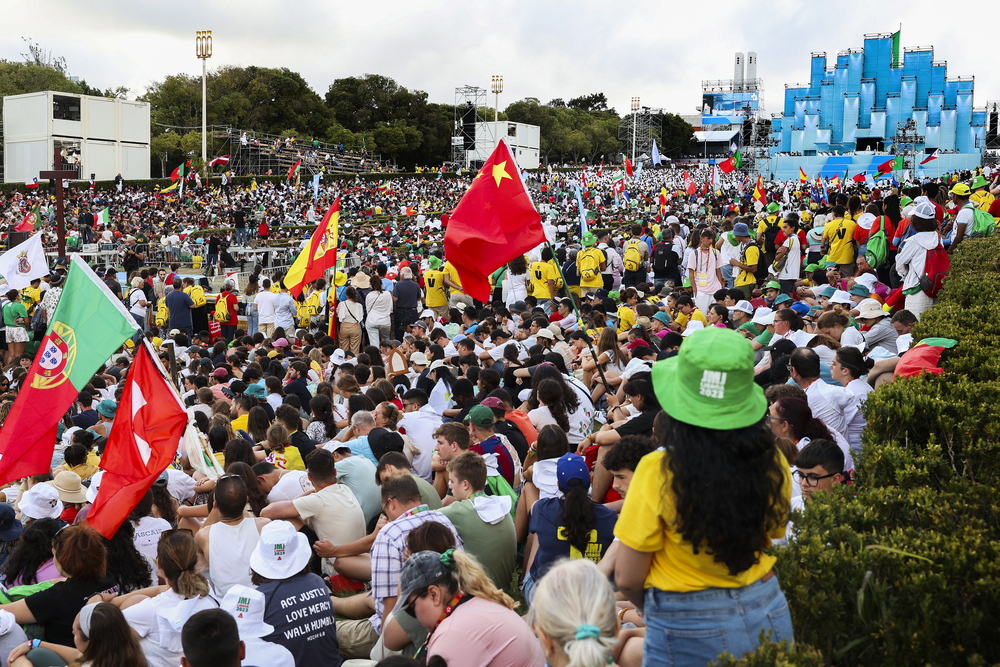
point(493, 223)
point(148, 427)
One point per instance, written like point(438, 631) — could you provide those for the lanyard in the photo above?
point(448, 610)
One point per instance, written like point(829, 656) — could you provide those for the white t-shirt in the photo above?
point(793, 264)
point(264, 301)
point(290, 486)
point(147, 534)
point(160, 644)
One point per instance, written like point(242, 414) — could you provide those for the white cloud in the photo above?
point(660, 51)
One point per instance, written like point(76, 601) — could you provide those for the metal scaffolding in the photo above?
point(469, 103)
point(646, 124)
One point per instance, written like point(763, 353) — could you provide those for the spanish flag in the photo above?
point(318, 255)
point(758, 191)
point(835, 181)
point(802, 176)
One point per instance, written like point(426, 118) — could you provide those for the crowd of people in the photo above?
point(615, 441)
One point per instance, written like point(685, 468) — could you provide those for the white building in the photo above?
point(97, 136)
point(522, 139)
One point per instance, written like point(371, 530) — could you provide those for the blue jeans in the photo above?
point(728, 275)
point(252, 318)
point(685, 629)
point(242, 236)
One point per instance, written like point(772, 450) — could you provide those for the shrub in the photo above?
point(903, 567)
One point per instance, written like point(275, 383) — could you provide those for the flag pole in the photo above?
point(579, 317)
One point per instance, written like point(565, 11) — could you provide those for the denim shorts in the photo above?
point(685, 629)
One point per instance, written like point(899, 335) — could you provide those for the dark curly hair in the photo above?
point(33, 550)
point(728, 489)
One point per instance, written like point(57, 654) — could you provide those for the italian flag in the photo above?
point(102, 218)
point(88, 326)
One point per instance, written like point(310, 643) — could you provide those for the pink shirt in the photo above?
point(501, 638)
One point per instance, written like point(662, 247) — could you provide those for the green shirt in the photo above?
point(428, 494)
point(493, 545)
point(12, 311)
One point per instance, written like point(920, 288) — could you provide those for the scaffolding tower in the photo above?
point(908, 143)
point(469, 103)
point(646, 124)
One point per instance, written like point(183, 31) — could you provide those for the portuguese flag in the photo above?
point(88, 326)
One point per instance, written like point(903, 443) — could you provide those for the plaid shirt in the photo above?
point(387, 555)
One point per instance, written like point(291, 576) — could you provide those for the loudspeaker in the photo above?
point(469, 127)
point(15, 238)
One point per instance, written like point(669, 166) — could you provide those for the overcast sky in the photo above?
point(659, 51)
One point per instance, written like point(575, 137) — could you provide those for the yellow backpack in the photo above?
point(197, 294)
point(221, 309)
point(162, 316)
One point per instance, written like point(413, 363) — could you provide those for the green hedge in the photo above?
point(903, 568)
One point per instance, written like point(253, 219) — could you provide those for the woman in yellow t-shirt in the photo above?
point(699, 515)
point(283, 453)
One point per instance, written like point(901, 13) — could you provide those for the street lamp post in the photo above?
point(497, 88)
point(203, 49)
point(635, 127)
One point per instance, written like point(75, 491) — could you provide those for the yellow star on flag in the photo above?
point(500, 172)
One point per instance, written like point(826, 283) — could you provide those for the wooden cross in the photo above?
point(58, 175)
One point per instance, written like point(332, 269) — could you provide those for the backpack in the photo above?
point(197, 295)
point(936, 267)
point(162, 313)
point(38, 323)
point(877, 248)
point(771, 230)
point(15, 593)
point(664, 258)
point(983, 224)
point(632, 256)
point(221, 309)
point(590, 265)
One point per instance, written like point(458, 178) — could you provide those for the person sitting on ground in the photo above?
point(484, 522)
point(818, 467)
point(211, 638)
point(573, 526)
point(404, 512)
point(541, 475)
point(227, 543)
point(573, 614)
point(101, 638)
point(332, 511)
point(451, 596)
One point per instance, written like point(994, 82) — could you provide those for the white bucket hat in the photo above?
point(41, 502)
point(95, 485)
point(841, 297)
point(281, 551)
point(694, 325)
point(246, 605)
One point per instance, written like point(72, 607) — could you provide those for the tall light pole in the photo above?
point(203, 49)
point(497, 88)
point(635, 127)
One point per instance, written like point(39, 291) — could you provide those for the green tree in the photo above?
point(21, 78)
point(592, 102)
point(265, 100)
point(165, 148)
point(174, 102)
point(677, 136)
point(362, 103)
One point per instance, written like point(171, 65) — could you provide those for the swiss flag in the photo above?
point(149, 425)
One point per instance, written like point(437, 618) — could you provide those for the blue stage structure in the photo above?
point(871, 105)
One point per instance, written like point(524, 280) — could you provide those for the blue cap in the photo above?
point(781, 298)
point(828, 291)
point(741, 229)
point(571, 467)
point(800, 307)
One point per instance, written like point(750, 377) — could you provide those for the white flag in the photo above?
point(23, 263)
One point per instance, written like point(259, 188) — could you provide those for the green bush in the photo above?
point(772, 654)
point(903, 567)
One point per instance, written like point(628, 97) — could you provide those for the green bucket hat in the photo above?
point(773, 207)
point(979, 182)
point(772, 285)
point(710, 382)
point(433, 262)
point(588, 239)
